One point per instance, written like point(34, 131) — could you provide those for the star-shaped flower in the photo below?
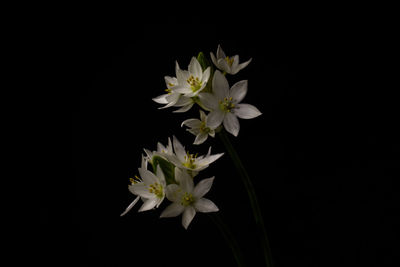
point(227, 64)
point(187, 199)
point(225, 105)
point(199, 128)
point(190, 162)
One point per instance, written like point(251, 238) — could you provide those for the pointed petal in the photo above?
point(213, 59)
point(170, 80)
point(215, 118)
point(171, 99)
point(210, 159)
point(246, 111)
point(209, 101)
point(238, 91)
point(149, 204)
point(140, 190)
point(205, 205)
point(172, 210)
point(220, 52)
point(179, 149)
point(130, 206)
point(220, 85)
point(206, 76)
point(188, 216)
point(192, 123)
point(184, 108)
point(161, 99)
point(195, 68)
point(231, 123)
point(200, 138)
point(235, 62)
point(160, 174)
point(147, 176)
point(203, 187)
point(203, 116)
point(244, 64)
point(223, 65)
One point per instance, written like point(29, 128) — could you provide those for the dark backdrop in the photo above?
point(321, 157)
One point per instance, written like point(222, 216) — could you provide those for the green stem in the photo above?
point(229, 238)
point(251, 194)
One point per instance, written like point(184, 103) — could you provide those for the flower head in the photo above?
point(225, 105)
point(227, 64)
point(187, 199)
point(162, 151)
point(191, 162)
point(199, 128)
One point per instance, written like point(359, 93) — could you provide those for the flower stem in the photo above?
point(229, 238)
point(251, 194)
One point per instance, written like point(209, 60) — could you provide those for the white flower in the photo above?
point(162, 151)
point(150, 187)
point(225, 105)
point(192, 81)
point(187, 199)
point(191, 162)
point(199, 128)
point(228, 64)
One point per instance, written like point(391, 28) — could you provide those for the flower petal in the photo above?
point(184, 108)
point(174, 192)
point(200, 138)
point(140, 190)
point(220, 85)
point(231, 123)
point(149, 204)
point(209, 159)
point(172, 210)
point(170, 80)
point(244, 64)
point(195, 68)
point(238, 91)
point(161, 99)
point(184, 180)
point(160, 174)
point(188, 216)
point(203, 187)
point(179, 149)
point(205, 205)
point(208, 100)
point(183, 101)
point(215, 118)
point(192, 123)
point(246, 111)
point(171, 99)
point(206, 76)
point(213, 59)
point(220, 52)
point(130, 206)
point(147, 176)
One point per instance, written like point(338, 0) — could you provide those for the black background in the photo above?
point(321, 156)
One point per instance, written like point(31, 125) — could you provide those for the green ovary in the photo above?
point(187, 199)
point(195, 83)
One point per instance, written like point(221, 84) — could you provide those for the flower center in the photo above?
point(195, 83)
point(229, 61)
point(156, 189)
point(226, 105)
point(203, 127)
point(135, 180)
point(189, 161)
point(187, 199)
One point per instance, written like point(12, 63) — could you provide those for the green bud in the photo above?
point(167, 167)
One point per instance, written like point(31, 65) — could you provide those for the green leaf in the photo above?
point(205, 63)
point(167, 167)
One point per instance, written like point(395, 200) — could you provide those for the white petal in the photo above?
point(200, 138)
point(130, 206)
point(182, 89)
point(170, 80)
point(195, 68)
point(147, 176)
point(235, 62)
point(246, 111)
point(160, 174)
point(184, 180)
point(220, 52)
point(231, 123)
point(140, 190)
point(244, 65)
point(238, 91)
point(184, 108)
point(192, 123)
point(220, 85)
point(183, 101)
point(149, 204)
point(161, 99)
point(182, 76)
point(208, 100)
point(203, 116)
point(215, 118)
point(203, 187)
point(210, 159)
point(188, 216)
point(174, 192)
point(172, 210)
point(205, 205)
point(206, 76)
point(223, 65)
point(179, 149)
point(171, 99)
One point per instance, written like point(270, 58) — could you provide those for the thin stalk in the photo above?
point(251, 194)
point(229, 238)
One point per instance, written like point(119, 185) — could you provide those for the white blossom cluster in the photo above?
point(172, 168)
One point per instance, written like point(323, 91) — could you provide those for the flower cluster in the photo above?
point(169, 172)
point(171, 177)
point(210, 89)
